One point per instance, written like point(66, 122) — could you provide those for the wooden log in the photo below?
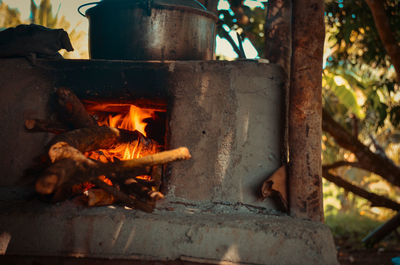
point(38, 125)
point(181, 153)
point(143, 191)
point(74, 113)
point(123, 197)
point(56, 175)
point(72, 166)
point(99, 197)
point(96, 137)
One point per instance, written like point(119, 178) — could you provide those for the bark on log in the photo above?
point(385, 32)
point(96, 137)
point(376, 163)
point(375, 199)
point(74, 113)
point(99, 197)
point(305, 189)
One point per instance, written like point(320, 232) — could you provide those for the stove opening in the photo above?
point(146, 126)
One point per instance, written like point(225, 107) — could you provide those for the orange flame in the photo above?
point(131, 118)
point(131, 121)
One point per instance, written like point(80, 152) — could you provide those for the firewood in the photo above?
point(181, 153)
point(55, 176)
point(38, 125)
point(70, 165)
point(123, 197)
point(133, 186)
point(97, 137)
point(99, 197)
point(74, 112)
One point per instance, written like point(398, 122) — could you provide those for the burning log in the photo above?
point(72, 167)
point(96, 137)
point(75, 113)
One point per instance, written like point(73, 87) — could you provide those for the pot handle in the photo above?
point(87, 4)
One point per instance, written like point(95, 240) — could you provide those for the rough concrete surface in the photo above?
point(114, 232)
point(229, 115)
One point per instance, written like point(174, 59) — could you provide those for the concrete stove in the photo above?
point(229, 115)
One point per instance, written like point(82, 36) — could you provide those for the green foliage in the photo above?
point(249, 22)
point(351, 25)
point(343, 91)
point(350, 228)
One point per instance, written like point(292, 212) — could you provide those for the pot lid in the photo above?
point(146, 3)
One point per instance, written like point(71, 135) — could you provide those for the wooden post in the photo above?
point(305, 110)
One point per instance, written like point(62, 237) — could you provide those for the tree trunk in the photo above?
point(385, 32)
point(305, 110)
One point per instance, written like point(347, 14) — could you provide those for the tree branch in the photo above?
point(368, 160)
point(385, 33)
point(342, 164)
point(375, 199)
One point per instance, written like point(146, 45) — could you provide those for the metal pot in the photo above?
point(151, 30)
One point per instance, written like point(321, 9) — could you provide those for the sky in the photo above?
point(68, 8)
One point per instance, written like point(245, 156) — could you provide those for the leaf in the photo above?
point(346, 95)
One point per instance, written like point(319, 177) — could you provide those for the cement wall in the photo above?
point(229, 115)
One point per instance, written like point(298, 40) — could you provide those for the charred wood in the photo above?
point(74, 113)
point(97, 137)
point(123, 197)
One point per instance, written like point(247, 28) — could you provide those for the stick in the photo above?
point(181, 153)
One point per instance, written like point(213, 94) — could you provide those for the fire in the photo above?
point(131, 121)
point(128, 117)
